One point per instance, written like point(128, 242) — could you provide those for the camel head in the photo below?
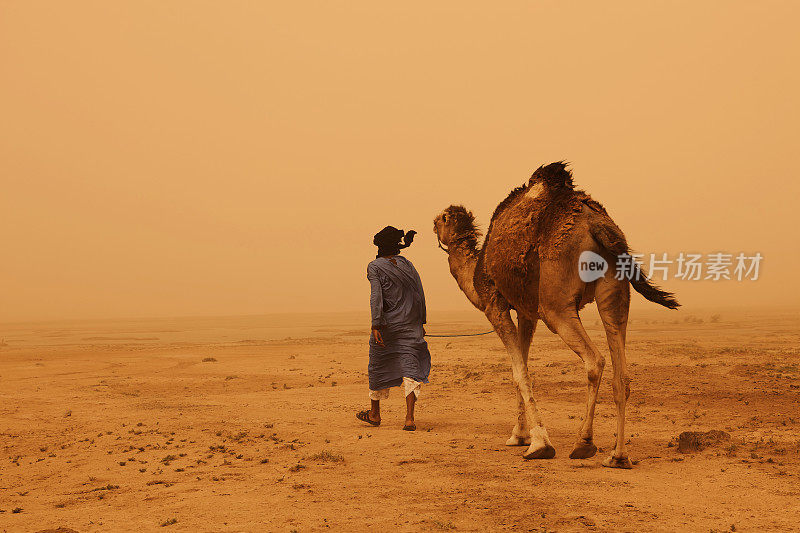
point(456, 225)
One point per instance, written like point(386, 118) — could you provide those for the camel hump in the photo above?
point(554, 176)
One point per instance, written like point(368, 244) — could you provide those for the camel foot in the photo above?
point(583, 450)
point(617, 462)
point(540, 447)
point(518, 441)
point(545, 452)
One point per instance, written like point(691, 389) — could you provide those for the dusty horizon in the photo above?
point(640, 311)
point(168, 160)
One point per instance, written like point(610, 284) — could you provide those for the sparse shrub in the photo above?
point(327, 457)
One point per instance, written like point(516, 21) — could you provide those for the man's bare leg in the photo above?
point(375, 411)
point(411, 399)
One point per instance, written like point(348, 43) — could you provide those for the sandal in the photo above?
point(364, 417)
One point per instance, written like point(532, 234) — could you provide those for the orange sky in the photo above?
point(208, 158)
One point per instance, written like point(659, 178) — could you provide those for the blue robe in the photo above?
point(397, 303)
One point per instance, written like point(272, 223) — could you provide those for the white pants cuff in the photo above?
point(409, 386)
point(378, 394)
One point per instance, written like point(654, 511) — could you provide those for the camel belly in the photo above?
point(517, 280)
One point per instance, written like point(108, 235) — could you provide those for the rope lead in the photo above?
point(461, 334)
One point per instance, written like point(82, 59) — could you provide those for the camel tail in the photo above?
point(610, 237)
point(644, 286)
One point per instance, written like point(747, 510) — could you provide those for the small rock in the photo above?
point(695, 441)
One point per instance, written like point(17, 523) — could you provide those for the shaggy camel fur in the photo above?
point(529, 262)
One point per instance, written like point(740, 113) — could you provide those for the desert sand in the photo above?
point(247, 424)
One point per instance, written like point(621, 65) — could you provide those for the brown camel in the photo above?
point(529, 262)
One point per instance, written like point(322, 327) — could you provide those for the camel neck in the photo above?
point(462, 262)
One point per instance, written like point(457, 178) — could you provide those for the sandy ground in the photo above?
point(247, 424)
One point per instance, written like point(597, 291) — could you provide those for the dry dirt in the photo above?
point(247, 424)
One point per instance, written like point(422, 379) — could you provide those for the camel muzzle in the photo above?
point(442, 247)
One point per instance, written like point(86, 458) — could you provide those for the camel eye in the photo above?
point(444, 218)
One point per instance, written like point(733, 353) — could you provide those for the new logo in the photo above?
point(591, 266)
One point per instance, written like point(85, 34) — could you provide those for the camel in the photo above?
point(529, 262)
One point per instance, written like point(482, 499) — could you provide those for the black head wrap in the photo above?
point(388, 240)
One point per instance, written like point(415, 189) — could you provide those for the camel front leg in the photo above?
point(540, 446)
point(520, 435)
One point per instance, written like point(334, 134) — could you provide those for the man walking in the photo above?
point(398, 353)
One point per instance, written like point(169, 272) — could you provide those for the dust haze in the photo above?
point(189, 195)
point(208, 159)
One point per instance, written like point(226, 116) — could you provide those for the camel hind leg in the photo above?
point(563, 319)
point(613, 300)
point(520, 435)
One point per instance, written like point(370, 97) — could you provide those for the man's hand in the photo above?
point(376, 334)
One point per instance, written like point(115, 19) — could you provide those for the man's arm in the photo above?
point(375, 303)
